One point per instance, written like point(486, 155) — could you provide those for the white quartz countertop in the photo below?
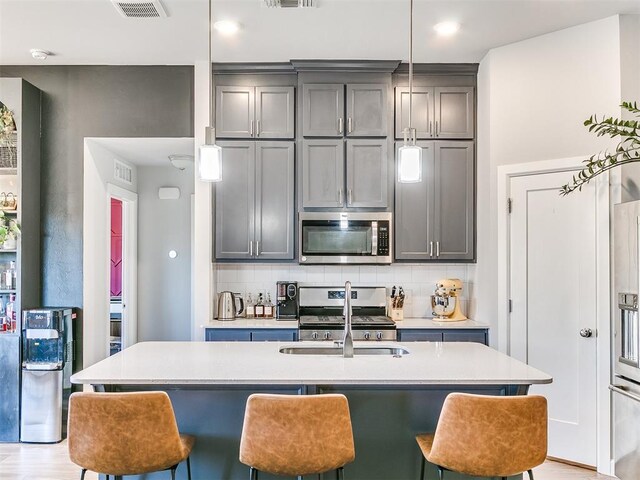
point(268, 323)
point(261, 363)
point(433, 323)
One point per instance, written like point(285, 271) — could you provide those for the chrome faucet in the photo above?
point(347, 340)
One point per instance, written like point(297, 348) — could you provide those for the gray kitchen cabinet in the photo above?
point(366, 110)
point(323, 110)
point(435, 219)
point(251, 335)
point(367, 173)
point(255, 112)
point(255, 201)
point(477, 335)
point(323, 173)
point(438, 112)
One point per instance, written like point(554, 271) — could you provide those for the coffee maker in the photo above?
point(287, 298)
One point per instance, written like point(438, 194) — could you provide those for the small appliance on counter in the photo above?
point(321, 314)
point(395, 308)
point(287, 300)
point(230, 306)
point(445, 303)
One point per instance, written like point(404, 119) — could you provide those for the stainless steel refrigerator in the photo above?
point(626, 352)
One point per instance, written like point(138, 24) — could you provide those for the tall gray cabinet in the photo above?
point(21, 176)
point(255, 201)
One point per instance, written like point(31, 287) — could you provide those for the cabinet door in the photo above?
point(367, 173)
point(367, 110)
point(273, 336)
point(227, 335)
point(274, 200)
point(323, 110)
point(419, 335)
point(454, 221)
point(423, 111)
point(454, 112)
point(479, 336)
point(414, 210)
point(235, 112)
point(274, 112)
point(323, 173)
point(235, 197)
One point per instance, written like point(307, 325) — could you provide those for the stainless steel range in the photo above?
point(322, 316)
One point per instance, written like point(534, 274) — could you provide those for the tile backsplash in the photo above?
point(418, 281)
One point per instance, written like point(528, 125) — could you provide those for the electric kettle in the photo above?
point(227, 307)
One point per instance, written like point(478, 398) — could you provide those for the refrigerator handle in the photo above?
point(623, 391)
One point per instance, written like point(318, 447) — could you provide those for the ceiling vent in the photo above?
point(290, 3)
point(122, 172)
point(140, 8)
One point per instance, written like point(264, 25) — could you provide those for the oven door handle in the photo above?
point(623, 391)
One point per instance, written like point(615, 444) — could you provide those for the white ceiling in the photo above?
point(92, 32)
point(147, 152)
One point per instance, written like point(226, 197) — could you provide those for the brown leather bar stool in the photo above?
point(487, 436)
point(126, 434)
point(296, 435)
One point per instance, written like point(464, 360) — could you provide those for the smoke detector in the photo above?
point(140, 8)
point(39, 54)
point(290, 3)
point(181, 161)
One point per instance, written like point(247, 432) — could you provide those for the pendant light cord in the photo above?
point(410, 66)
point(210, 73)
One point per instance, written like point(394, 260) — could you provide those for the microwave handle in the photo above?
point(374, 238)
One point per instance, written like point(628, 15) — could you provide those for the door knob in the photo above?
point(586, 332)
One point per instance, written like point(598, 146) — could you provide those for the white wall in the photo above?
point(533, 97)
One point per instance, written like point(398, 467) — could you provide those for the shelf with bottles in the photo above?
point(8, 314)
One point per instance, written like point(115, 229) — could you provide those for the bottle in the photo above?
point(14, 275)
point(259, 307)
point(8, 276)
point(268, 307)
point(12, 320)
point(10, 311)
point(250, 308)
point(3, 316)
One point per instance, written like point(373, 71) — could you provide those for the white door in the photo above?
point(553, 292)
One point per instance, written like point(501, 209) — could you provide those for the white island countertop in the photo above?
point(261, 363)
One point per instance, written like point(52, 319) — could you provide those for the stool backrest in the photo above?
point(297, 434)
point(491, 436)
point(123, 433)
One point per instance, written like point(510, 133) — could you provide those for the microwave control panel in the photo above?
point(383, 238)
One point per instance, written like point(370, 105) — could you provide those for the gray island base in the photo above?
point(391, 399)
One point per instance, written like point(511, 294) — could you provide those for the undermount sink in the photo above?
point(393, 351)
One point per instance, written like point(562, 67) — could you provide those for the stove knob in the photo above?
point(327, 335)
point(314, 335)
point(379, 335)
point(367, 335)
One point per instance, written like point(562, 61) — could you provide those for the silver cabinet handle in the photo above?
point(430, 126)
point(340, 125)
point(340, 196)
point(258, 128)
point(251, 248)
point(349, 197)
point(251, 129)
point(257, 248)
point(623, 391)
point(431, 249)
point(349, 125)
point(437, 128)
point(437, 248)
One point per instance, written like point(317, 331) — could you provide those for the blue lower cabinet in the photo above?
point(248, 335)
point(444, 335)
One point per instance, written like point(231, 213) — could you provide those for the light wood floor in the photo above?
point(51, 462)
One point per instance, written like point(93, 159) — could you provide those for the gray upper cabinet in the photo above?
point(275, 112)
point(323, 110)
point(367, 173)
point(423, 111)
point(454, 107)
point(323, 174)
point(255, 201)
point(255, 112)
point(235, 112)
point(438, 112)
point(435, 219)
point(274, 200)
point(366, 110)
point(235, 199)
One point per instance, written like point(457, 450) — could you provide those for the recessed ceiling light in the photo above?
point(226, 27)
point(447, 29)
point(39, 54)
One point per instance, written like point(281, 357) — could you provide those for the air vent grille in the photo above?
point(122, 172)
point(140, 9)
point(290, 3)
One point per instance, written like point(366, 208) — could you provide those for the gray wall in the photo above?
point(164, 284)
point(93, 101)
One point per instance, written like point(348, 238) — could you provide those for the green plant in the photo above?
point(7, 123)
point(9, 227)
point(627, 150)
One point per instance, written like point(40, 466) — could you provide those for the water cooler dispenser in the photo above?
point(47, 364)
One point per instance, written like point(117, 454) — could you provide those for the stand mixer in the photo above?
point(446, 301)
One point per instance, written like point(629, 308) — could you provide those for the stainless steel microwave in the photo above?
point(327, 238)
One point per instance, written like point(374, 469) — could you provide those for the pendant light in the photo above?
point(210, 155)
point(410, 155)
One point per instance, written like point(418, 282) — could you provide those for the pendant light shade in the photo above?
point(210, 163)
point(410, 155)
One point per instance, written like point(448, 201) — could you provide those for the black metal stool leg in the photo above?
point(340, 473)
point(422, 465)
point(173, 472)
point(82, 473)
point(530, 472)
point(440, 473)
point(253, 473)
point(188, 468)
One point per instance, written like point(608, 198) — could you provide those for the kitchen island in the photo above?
point(391, 398)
